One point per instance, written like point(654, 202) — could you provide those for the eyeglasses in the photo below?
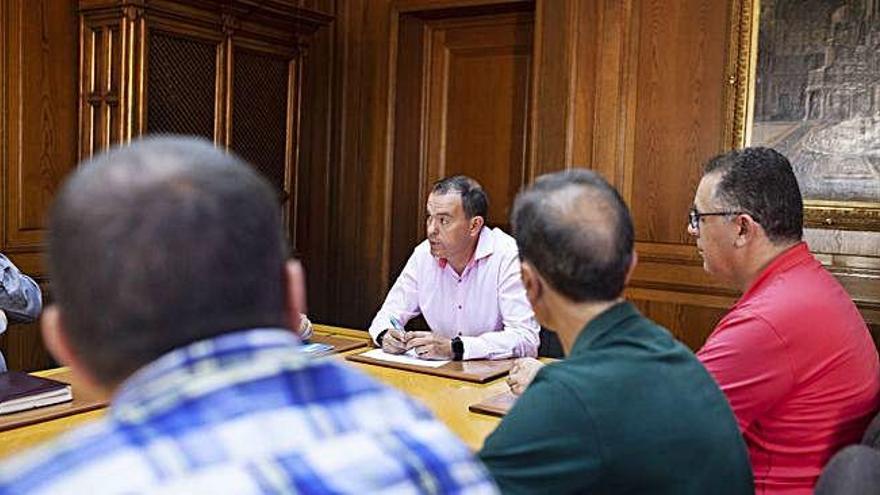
point(694, 216)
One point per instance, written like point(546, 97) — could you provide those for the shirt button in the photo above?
point(459, 306)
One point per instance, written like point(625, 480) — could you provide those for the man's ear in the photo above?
point(294, 292)
point(532, 282)
point(58, 343)
point(476, 226)
point(747, 230)
point(632, 268)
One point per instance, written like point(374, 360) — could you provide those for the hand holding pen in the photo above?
point(394, 340)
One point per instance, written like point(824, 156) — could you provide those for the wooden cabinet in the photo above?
point(229, 71)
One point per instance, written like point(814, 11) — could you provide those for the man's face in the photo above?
point(448, 229)
point(715, 235)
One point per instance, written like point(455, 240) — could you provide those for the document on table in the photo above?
point(409, 357)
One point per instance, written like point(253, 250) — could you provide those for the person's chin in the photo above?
point(710, 268)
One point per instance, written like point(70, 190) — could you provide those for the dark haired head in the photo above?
point(473, 198)
point(760, 181)
point(159, 244)
point(575, 229)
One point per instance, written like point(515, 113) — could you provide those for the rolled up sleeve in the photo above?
point(20, 296)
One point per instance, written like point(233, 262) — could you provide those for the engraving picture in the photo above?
point(817, 94)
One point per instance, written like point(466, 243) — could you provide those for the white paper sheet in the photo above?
point(408, 358)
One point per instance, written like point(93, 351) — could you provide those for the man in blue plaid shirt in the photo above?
point(183, 317)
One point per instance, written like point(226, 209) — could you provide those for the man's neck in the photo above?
point(756, 262)
point(461, 262)
point(570, 319)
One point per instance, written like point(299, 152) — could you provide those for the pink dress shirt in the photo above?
point(799, 368)
point(486, 305)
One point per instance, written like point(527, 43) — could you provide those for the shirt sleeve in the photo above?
point(402, 301)
point(520, 335)
point(20, 296)
point(545, 444)
point(751, 363)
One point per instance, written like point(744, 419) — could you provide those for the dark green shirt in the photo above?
point(630, 410)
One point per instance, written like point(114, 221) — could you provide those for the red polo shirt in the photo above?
point(800, 370)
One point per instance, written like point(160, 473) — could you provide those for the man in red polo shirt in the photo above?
point(793, 355)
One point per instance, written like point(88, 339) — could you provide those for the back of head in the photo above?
point(159, 244)
point(575, 229)
point(474, 201)
point(761, 182)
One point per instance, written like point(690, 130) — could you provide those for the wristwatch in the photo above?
point(457, 349)
point(380, 337)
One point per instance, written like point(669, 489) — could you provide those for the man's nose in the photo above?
point(692, 231)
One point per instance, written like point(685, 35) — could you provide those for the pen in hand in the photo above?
point(395, 340)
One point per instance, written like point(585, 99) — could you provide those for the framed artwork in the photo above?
point(806, 81)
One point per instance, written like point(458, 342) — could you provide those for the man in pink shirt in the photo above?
point(793, 355)
point(465, 280)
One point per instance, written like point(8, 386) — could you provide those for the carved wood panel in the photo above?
point(40, 115)
point(38, 141)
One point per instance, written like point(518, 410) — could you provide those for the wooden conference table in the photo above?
point(447, 398)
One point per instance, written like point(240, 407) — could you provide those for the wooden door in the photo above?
point(462, 108)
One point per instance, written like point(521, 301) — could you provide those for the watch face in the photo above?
point(457, 348)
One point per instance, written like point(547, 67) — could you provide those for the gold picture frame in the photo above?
point(742, 65)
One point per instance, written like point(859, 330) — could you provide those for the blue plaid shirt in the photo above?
point(248, 412)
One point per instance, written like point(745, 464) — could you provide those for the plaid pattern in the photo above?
point(247, 412)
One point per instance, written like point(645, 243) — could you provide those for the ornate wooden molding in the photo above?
point(842, 215)
point(741, 59)
point(133, 12)
point(230, 23)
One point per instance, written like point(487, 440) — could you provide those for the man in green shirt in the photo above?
point(630, 410)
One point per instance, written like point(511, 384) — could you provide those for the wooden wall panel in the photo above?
point(690, 323)
point(408, 189)
point(681, 62)
point(40, 116)
point(355, 268)
point(38, 143)
point(478, 104)
point(319, 118)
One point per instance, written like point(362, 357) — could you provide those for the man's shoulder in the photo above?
point(503, 242)
point(49, 467)
point(802, 297)
point(421, 252)
point(801, 286)
point(326, 408)
point(564, 380)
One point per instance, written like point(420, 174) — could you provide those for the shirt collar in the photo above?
point(155, 385)
point(603, 325)
point(485, 247)
point(785, 260)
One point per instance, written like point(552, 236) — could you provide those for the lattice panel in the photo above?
point(181, 86)
point(259, 112)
